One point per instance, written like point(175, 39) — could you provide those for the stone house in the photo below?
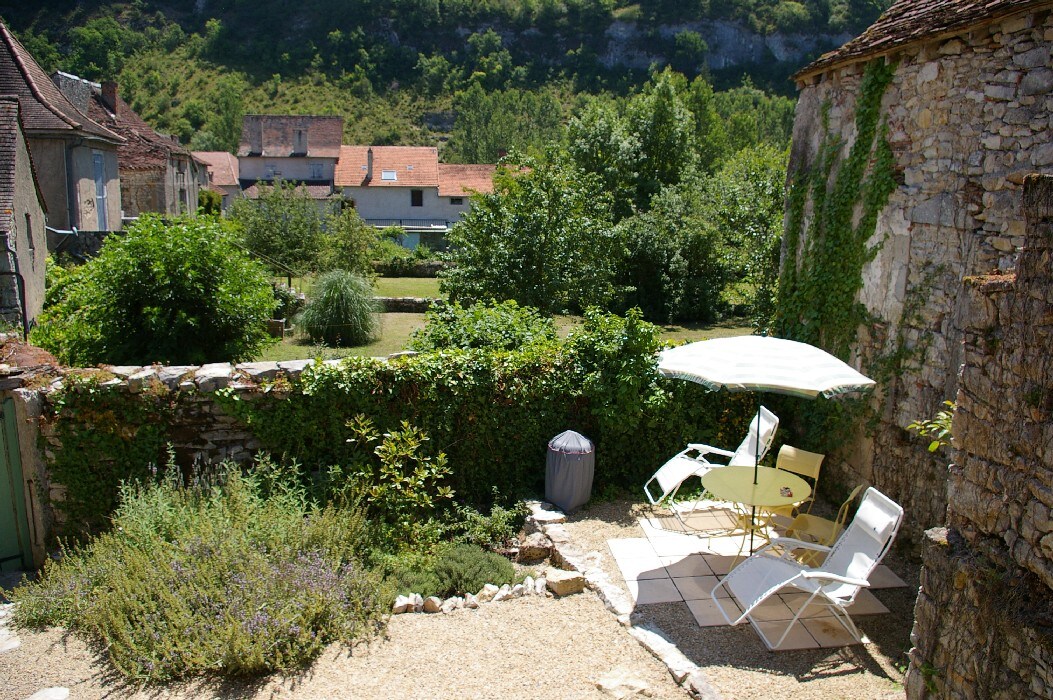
point(300, 149)
point(75, 157)
point(967, 114)
point(22, 212)
point(158, 175)
point(222, 177)
point(407, 186)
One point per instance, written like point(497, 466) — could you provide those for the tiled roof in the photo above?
point(279, 136)
point(908, 21)
point(9, 128)
point(413, 166)
point(144, 148)
point(314, 191)
point(462, 180)
point(222, 166)
point(43, 106)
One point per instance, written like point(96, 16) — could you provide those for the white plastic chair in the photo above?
point(697, 459)
point(835, 584)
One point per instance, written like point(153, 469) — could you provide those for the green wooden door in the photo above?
point(14, 526)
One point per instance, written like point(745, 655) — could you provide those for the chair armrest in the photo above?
point(820, 574)
point(709, 449)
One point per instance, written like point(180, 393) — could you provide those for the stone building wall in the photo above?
point(968, 118)
point(984, 617)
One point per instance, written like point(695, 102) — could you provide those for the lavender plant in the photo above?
point(213, 578)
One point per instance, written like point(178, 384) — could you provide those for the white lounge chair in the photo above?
point(697, 459)
point(835, 584)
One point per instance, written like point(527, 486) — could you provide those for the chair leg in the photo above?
point(796, 617)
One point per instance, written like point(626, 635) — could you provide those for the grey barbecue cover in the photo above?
point(569, 470)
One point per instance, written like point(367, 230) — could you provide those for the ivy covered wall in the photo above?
point(960, 122)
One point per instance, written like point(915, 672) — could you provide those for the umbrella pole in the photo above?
point(756, 464)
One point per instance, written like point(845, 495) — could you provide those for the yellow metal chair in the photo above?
point(802, 463)
point(812, 528)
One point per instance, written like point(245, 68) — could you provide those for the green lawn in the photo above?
point(408, 287)
point(396, 329)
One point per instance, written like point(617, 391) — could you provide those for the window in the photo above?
point(457, 201)
point(98, 166)
point(416, 198)
point(316, 171)
point(29, 235)
point(389, 175)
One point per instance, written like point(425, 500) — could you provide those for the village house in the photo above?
point(406, 186)
point(222, 168)
point(22, 234)
point(75, 157)
point(158, 175)
point(295, 149)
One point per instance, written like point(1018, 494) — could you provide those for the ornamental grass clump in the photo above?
point(233, 577)
point(341, 310)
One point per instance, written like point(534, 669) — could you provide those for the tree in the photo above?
point(742, 204)
point(179, 293)
point(664, 127)
point(283, 226)
point(543, 238)
point(599, 141)
point(489, 123)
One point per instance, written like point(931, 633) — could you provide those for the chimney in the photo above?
point(109, 96)
point(369, 164)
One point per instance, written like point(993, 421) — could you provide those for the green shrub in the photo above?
point(213, 578)
point(175, 293)
point(341, 310)
point(496, 326)
point(493, 531)
point(465, 568)
point(287, 302)
point(455, 569)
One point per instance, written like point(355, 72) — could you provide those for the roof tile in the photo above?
point(43, 106)
point(457, 180)
point(413, 166)
point(222, 167)
point(909, 21)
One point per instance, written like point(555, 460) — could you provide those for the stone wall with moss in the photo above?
point(968, 118)
point(984, 617)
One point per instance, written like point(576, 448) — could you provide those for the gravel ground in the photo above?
point(735, 660)
point(529, 647)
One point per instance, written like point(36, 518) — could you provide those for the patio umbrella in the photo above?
point(761, 363)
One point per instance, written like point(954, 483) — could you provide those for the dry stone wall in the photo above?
point(969, 118)
point(199, 431)
point(984, 617)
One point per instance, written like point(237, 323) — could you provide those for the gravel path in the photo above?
point(528, 647)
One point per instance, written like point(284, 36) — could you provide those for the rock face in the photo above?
point(968, 117)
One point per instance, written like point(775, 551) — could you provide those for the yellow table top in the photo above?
point(736, 484)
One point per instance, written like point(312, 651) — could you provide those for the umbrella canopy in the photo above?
point(759, 363)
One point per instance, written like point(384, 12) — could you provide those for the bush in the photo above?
point(341, 310)
point(287, 301)
point(455, 569)
point(494, 531)
point(496, 326)
point(180, 293)
point(214, 578)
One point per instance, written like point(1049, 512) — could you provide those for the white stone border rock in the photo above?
point(546, 518)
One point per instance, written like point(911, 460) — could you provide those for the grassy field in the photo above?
point(408, 287)
point(396, 329)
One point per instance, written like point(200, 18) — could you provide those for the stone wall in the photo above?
point(200, 431)
point(984, 617)
point(968, 119)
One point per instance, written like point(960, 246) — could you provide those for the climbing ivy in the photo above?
point(822, 270)
point(821, 279)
